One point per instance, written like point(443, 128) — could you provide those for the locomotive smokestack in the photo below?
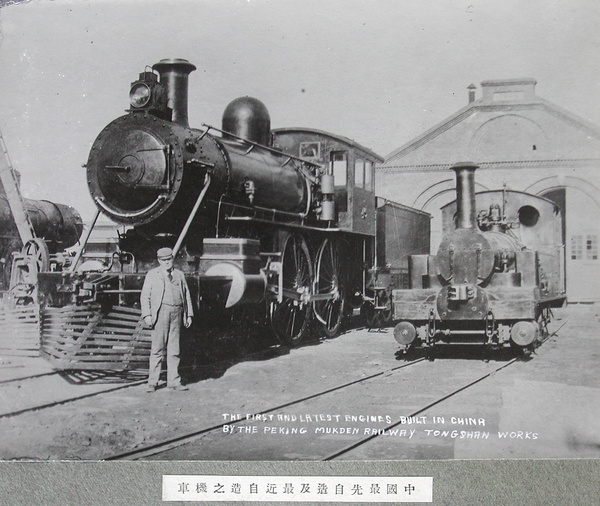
point(174, 75)
point(465, 194)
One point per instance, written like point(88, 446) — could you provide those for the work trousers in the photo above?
point(165, 338)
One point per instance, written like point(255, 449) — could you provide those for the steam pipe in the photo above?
point(465, 194)
point(192, 215)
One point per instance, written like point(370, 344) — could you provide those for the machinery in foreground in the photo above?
point(496, 275)
point(33, 235)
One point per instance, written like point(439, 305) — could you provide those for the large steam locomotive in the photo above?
point(286, 220)
point(496, 275)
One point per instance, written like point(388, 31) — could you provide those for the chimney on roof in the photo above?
point(508, 90)
point(471, 89)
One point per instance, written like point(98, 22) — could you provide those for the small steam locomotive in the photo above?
point(285, 220)
point(496, 275)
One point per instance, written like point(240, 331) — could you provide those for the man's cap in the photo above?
point(164, 253)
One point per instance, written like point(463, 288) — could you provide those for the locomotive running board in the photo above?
point(86, 338)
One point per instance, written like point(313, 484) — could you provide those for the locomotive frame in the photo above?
point(287, 217)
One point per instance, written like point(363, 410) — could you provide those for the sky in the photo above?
point(377, 71)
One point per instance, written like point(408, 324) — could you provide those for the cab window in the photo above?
point(339, 168)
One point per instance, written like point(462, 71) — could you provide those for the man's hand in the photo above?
point(188, 322)
point(148, 321)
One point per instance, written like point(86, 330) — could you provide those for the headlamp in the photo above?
point(139, 96)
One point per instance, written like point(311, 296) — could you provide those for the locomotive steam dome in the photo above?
point(248, 118)
point(148, 168)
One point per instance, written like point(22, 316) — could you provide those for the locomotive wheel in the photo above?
point(385, 314)
point(290, 318)
point(38, 254)
point(329, 280)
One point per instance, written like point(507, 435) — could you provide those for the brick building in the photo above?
point(519, 140)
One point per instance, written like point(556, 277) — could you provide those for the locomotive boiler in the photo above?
point(496, 275)
point(282, 220)
point(147, 169)
point(56, 227)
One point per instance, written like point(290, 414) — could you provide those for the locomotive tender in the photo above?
point(285, 217)
point(496, 275)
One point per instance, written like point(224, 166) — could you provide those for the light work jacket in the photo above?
point(153, 292)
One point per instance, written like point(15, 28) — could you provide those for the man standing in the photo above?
point(166, 304)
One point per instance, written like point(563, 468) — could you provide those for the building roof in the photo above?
point(498, 96)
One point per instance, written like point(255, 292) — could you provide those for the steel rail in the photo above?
point(364, 440)
point(175, 442)
point(70, 399)
point(32, 376)
point(214, 365)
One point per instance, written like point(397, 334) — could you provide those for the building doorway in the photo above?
point(581, 231)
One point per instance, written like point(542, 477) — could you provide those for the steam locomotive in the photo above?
point(497, 274)
point(56, 227)
point(286, 220)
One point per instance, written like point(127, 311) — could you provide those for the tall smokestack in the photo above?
point(465, 194)
point(174, 75)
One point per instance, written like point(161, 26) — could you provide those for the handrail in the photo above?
point(192, 215)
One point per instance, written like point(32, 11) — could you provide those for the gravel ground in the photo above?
point(555, 395)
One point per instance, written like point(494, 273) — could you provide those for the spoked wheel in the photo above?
point(290, 312)
point(37, 254)
point(330, 285)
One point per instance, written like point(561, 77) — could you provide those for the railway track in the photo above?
point(172, 445)
point(31, 376)
point(36, 392)
point(191, 436)
point(387, 387)
point(414, 414)
point(49, 390)
point(96, 382)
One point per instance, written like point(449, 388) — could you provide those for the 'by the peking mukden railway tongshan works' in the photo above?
point(286, 220)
